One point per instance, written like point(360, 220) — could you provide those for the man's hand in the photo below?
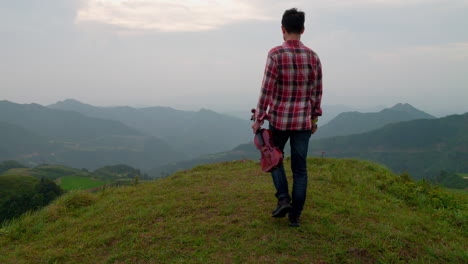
point(314, 128)
point(314, 125)
point(255, 127)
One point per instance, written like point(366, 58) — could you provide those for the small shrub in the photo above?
point(54, 212)
point(419, 194)
point(74, 200)
point(429, 197)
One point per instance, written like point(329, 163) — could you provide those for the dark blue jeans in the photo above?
point(299, 141)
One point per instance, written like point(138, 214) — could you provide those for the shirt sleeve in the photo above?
point(317, 93)
point(266, 92)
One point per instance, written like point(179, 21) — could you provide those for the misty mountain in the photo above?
point(35, 134)
point(60, 125)
point(329, 112)
point(349, 123)
point(189, 132)
point(332, 111)
point(16, 140)
point(422, 147)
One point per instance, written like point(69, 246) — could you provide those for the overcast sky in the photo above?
point(192, 54)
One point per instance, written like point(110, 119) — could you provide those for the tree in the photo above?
point(49, 190)
point(44, 193)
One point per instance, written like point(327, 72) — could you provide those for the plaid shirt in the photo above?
point(291, 87)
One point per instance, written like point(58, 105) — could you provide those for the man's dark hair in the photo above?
point(293, 20)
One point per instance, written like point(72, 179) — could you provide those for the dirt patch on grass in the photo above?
point(363, 255)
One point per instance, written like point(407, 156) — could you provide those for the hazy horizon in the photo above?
point(192, 54)
point(330, 111)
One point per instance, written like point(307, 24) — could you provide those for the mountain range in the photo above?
point(84, 136)
point(348, 123)
point(162, 140)
point(361, 122)
point(422, 147)
point(188, 132)
point(34, 134)
point(329, 112)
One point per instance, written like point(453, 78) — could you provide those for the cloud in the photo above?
point(356, 4)
point(446, 52)
point(169, 16)
point(31, 16)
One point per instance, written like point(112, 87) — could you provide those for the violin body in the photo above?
point(271, 155)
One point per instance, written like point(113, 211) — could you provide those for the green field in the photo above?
point(79, 183)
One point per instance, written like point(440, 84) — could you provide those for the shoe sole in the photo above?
point(282, 211)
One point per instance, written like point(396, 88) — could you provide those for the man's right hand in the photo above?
point(314, 128)
point(314, 125)
point(255, 127)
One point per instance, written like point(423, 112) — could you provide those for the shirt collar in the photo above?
point(293, 43)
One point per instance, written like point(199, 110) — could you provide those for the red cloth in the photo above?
point(291, 90)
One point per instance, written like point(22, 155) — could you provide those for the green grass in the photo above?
point(356, 212)
point(79, 183)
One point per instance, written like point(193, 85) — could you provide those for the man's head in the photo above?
point(293, 21)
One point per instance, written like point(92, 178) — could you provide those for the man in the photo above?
point(290, 100)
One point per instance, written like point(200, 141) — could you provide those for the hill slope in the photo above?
point(357, 212)
point(10, 164)
point(192, 133)
point(241, 152)
point(349, 123)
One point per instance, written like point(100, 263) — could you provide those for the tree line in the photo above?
point(17, 204)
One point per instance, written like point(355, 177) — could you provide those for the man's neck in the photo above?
point(292, 37)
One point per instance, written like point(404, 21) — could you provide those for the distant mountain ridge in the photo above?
point(349, 123)
point(59, 124)
point(16, 140)
point(35, 134)
point(192, 133)
point(422, 147)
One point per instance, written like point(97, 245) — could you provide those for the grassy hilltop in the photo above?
point(356, 212)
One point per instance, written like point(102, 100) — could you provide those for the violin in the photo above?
point(271, 156)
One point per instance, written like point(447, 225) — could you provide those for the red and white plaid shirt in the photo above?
point(291, 87)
